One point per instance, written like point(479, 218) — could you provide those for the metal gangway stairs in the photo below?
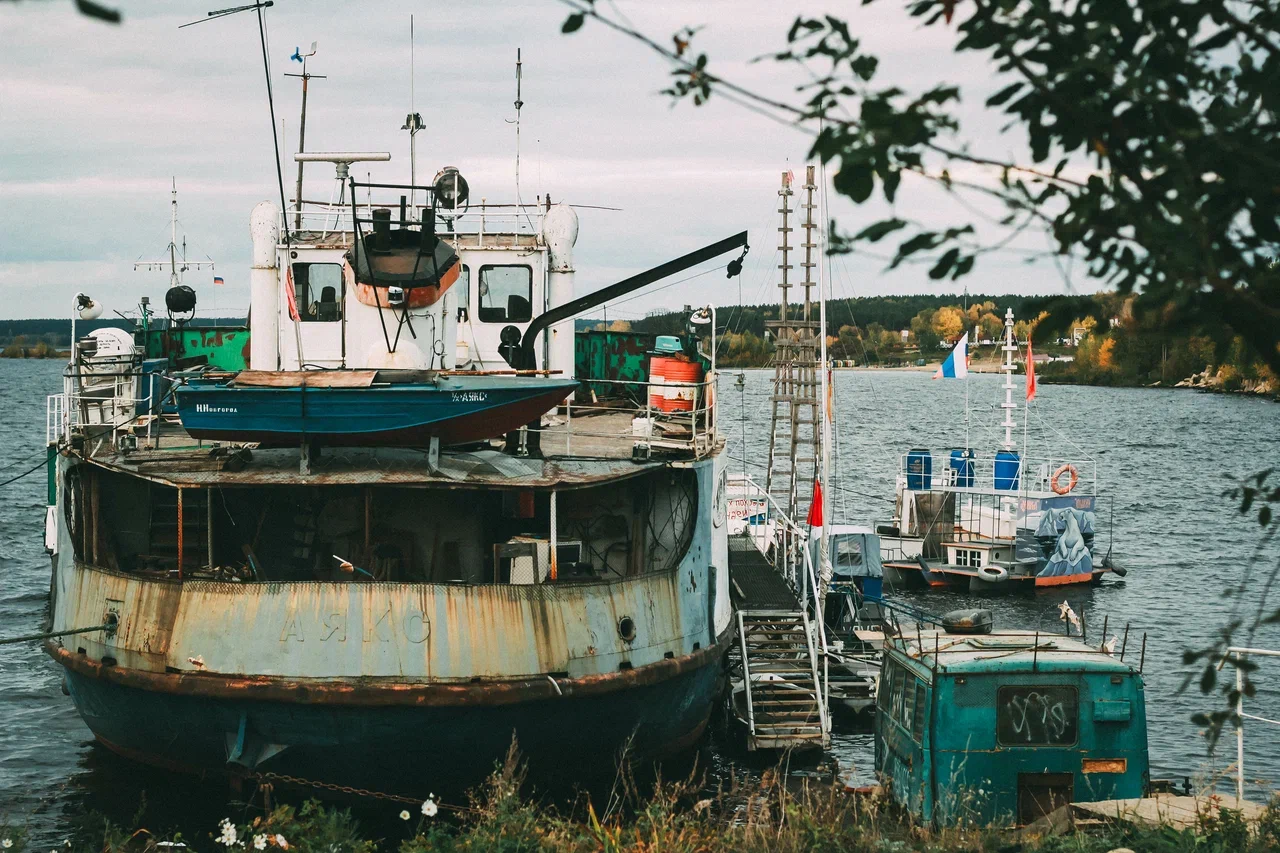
point(781, 646)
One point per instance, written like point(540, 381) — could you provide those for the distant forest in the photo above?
point(888, 312)
point(57, 332)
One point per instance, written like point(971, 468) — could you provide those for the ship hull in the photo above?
point(404, 745)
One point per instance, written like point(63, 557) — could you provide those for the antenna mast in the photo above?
point(299, 56)
point(1008, 405)
point(519, 104)
point(175, 269)
point(413, 124)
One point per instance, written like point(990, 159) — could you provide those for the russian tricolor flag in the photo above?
point(957, 364)
point(217, 279)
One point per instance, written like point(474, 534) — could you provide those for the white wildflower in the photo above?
point(6, 843)
point(281, 843)
point(404, 815)
point(259, 842)
point(429, 808)
point(228, 836)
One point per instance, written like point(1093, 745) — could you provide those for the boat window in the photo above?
point(318, 289)
point(886, 687)
point(1046, 715)
point(462, 288)
point(506, 294)
point(848, 552)
point(970, 557)
point(919, 712)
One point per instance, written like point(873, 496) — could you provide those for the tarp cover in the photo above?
point(855, 552)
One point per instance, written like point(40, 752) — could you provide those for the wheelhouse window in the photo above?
point(970, 557)
point(1047, 715)
point(506, 294)
point(462, 289)
point(318, 289)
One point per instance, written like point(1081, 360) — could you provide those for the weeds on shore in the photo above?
point(768, 815)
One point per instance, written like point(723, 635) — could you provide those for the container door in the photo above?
point(1042, 793)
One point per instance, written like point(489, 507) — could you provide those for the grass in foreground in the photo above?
point(673, 816)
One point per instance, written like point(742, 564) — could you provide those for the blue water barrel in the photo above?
point(962, 464)
point(1008, 467)
point(919, 470)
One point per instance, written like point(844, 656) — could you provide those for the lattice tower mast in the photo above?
point(794, 438)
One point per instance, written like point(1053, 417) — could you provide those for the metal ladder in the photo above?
point(786, 708)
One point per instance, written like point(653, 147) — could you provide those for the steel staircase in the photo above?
point(784, 702)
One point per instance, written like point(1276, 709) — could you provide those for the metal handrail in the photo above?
point(1240, 652)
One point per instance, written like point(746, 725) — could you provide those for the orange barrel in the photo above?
point(666, 397)
point(657, 379)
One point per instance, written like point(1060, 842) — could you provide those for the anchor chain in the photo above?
point(349, 790)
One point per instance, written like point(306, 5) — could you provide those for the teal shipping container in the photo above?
point(1004, 728)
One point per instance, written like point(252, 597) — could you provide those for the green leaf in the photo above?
point(1208, 679)
point(878, 230)
point(945, 263)
point(855, 181)
point(573, 23)
point(94, 10)
point(1004, 94)
point(1220, 39)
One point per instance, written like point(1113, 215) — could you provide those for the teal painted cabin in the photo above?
point(1006, 727)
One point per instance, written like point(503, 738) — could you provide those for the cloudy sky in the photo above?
point(96, 119)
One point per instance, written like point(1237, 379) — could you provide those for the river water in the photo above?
point(1163, 457)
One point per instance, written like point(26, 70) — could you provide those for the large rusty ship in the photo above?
point(341, 612)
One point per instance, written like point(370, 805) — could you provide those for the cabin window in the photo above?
point(918, 713)
point(970, 557)
point(462, 287)
point(318, 290)
point(1047, 715)
point(848, 553)
point(506, 294)
point(886, 688)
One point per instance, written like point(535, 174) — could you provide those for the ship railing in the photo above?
point(1241, 655)
point(785, 544)
point(1028, 475)
point(675, 417)
point(67, 413)
point(486, 224)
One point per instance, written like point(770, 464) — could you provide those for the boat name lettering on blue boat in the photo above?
point(205, 407)
point(469, 396)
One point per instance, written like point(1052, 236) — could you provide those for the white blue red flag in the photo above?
point(217, 279)
point(957, 364)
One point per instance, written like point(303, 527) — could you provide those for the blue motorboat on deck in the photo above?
point(365, 407)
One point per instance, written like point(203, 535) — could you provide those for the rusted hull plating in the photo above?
point(400, 745)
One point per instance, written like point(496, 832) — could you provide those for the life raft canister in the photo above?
point(1056, 481)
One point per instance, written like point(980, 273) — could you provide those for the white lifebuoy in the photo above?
point(993, 574)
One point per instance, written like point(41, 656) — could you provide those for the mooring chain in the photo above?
point(351, 790)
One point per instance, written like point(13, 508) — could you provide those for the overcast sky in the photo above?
point(95, 119)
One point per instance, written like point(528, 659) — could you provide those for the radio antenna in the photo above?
point(299, 56)
point(266, 71)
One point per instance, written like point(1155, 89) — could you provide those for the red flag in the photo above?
point(293, 299)
point(1031, 373)
point(815, 508)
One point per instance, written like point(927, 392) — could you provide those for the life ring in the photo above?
point(1055, 481)
point(993, 574)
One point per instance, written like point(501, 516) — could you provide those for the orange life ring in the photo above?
point(1056, 483)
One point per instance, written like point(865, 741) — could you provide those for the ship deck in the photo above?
point(579, 451)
